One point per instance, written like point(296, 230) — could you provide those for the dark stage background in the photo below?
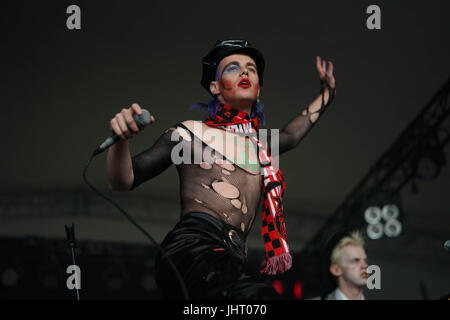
point(61, 87)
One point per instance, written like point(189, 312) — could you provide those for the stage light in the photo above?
point(278, 286)
point(379, 209)
point(392, 228)
point(298, 292)
point(375, 231)
point(372, 215)
point(390, 211)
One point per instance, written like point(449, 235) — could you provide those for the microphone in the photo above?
point(447, 245)
point(141, 121)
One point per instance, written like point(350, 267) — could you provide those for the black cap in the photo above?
point(224, 48)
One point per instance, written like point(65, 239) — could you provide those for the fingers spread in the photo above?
point(330, 68)
point(319, 67)
point(318, 63)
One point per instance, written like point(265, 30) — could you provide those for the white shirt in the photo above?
point(341, 296)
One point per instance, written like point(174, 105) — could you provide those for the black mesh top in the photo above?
point(216, 186)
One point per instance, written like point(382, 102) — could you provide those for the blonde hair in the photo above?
point(354, 239)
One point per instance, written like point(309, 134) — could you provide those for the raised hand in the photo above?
point(325, 70)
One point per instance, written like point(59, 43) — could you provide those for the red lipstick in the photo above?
point(244, 83)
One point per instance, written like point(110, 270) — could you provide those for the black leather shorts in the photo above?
point(211, 257)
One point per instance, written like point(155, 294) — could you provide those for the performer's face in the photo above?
point(238, 83)
point(352, 267)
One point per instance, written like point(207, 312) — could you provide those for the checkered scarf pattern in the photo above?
point(278, 258)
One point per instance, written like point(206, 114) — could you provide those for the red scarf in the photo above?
point(278, 259)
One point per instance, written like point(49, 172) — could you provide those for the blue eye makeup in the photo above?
point(232, 68)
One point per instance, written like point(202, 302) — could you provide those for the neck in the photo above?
point(245, 105)
point(351, 291)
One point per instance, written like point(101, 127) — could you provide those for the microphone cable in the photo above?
point(172, 265)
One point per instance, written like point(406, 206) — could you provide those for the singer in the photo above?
point(220, 196)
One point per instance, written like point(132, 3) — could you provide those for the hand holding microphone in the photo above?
point(129, 121)
point(126, 123)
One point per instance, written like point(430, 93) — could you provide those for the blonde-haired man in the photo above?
point(349, 267)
